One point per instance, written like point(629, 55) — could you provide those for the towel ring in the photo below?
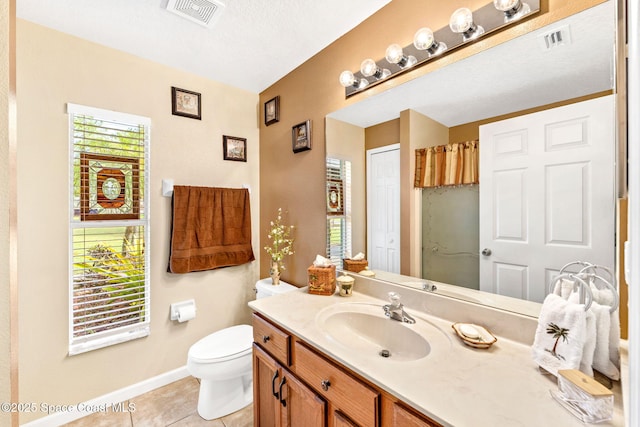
point(616, 298)
point(584, 265)
point(593, 269)
point(588, 293)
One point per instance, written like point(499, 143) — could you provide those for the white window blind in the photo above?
point(109, 266)
point(339, 226)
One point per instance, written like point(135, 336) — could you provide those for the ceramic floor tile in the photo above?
point(166, 405)
point(196, 420)
point(241, 418)
point(103, 419)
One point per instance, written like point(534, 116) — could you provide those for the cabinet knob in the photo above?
point(265, 338)
point(325, 385)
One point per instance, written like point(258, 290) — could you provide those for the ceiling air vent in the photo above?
point(558, 37)
point(203, 12)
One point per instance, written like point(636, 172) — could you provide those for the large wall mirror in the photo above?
point(571, 60)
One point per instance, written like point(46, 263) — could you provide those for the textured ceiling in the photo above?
point(252, 45)
point(510, 77)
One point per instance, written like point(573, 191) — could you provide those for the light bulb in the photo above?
point(505, 5)
point(512, 8)
point(461, 20)
point(395, 55)
point(347, 78)
point(368, 67)
point(423, 39)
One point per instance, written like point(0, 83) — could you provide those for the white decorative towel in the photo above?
point(560, 335)
point(564, 288)
point(601, 356)
point(607, 298)
point(588, 351)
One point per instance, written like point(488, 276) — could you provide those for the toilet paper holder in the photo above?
point(176, 306)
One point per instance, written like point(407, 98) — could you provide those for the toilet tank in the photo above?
point(264, 288)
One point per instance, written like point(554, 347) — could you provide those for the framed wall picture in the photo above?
point(335, 197)
point(185, 103)
point(301, 137)
point(272, 111)
point(234, 148)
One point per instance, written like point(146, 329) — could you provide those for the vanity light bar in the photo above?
point(488, 16)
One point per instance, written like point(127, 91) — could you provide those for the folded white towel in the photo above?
point(560, 335)
point(564, 288)
point(588, 352)
point(607, 298)
point(358, 257)
point(601, 356)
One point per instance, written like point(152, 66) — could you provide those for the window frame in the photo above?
point(82, 344)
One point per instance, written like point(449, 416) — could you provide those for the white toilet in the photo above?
point(223, 363)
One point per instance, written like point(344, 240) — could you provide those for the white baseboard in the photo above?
point(106, 402)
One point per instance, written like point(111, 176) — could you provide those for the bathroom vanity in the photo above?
point(318, 362)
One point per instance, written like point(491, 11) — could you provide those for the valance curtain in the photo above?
point(451, 164)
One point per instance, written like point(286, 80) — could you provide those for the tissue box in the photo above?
point(322, 280)
point(583, 396)
point(354, 265)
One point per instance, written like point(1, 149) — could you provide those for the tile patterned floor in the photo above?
point(172, 405)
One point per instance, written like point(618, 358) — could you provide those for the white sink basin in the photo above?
point(364, 328)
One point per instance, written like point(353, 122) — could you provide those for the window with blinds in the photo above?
point(338, 219)
point(109, 228)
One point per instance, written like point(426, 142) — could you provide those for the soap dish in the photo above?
point(474, 335)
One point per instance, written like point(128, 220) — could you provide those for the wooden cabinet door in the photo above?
point(341, 420)
point(267, 376)
point(300, 406)
point(404, 418)
point(280, 399)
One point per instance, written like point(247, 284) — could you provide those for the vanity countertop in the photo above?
point(456, 386)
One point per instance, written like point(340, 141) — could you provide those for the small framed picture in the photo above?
point(234, 148)
point(301, 137)
point(272, 111)
point(334, 197)
point(185, 103)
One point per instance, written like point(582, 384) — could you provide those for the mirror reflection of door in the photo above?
point(546, 196)
point(383, 208)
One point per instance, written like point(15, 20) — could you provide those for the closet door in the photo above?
point(547, 196)
point(383, 208)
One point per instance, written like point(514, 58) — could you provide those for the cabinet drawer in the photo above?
point(272, 339)
point(355, 399)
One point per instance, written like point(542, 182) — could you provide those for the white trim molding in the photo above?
point(115, 400)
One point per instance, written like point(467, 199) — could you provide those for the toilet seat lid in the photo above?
point(232, 341)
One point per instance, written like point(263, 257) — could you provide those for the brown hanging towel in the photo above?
point(211, 228)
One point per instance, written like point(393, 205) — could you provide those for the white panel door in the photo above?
point(383, 208)
point(547, 196)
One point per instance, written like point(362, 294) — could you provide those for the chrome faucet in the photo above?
point(395, 310)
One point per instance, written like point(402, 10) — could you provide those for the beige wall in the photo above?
point(54, 69)
point(382, 134)
point(296, 182)
point(8, 280)
point(346, 142)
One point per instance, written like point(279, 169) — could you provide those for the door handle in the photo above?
point(486, 252)
point(282, 401)
point(273, 385)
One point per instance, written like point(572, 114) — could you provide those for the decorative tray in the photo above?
point(474, 335)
